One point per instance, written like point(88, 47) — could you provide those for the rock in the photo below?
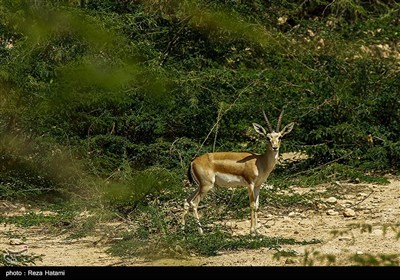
point(16, 241)
point(347, 202)
point(290, 261)
point(345, 238)
point(362, 194)
point(359, 253)
point(357, 181)
point(377, 232)
point(348, 212)
point(22, 209)
point(178, 249)
point(320, 205)
point(293, 214)
point(331, 200)
point(332, 212)
point(296, 232)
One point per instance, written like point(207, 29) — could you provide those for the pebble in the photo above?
point(22, 209)
point(345, 238)
point(331, 200)
point(16, 241)
point(338, 183)
point(178, 249)
point(377, 232)
point(349, 212)
point(332, 212)
point(359, 253)
point(290, 261)
point(293, 214)
point(362, 194)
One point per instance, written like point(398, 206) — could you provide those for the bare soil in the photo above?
point(375, 205)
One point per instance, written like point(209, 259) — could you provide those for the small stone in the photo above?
point(290, 261)
point(22, 209)
point(377, 232)
point(178, 249)
point(292, 214)
point(320, 205)
point(348, 212)
point(345, 238)
point(332, 212)
point(359, 253)
point(362, 194)
point(331, 200)
point(357, 180)
point(16, 241)
point(296, 232)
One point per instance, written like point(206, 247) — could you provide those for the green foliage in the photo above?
point(31, 167)
point(7, 259)
point(212, 243)
point(139, 187)
point(158, 240)
point(324, 174)
point(34, 219)
point(379, 260)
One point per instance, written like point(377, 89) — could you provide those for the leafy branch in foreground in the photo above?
point(22, 258)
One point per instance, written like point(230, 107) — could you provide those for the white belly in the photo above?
point(229, 180)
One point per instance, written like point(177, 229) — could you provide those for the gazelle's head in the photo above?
point(274, 137)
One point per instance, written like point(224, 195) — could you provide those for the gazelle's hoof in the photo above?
point(254, 232)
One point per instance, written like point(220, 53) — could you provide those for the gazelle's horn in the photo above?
point(278, 125)
point(268, 123)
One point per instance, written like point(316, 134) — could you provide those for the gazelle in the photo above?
point(231, 169)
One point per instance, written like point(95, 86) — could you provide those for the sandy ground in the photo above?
point(374, 205)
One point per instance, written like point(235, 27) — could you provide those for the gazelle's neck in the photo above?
point(271, 156)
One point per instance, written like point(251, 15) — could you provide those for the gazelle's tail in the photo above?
point(189, 174)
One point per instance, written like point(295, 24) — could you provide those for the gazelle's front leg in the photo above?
point(256, 193)
point(252, 209)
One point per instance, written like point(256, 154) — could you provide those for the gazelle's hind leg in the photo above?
point(187, 206)
point(193, 202)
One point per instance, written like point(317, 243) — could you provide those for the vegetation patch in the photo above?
point(35, 219)
point(183, 244)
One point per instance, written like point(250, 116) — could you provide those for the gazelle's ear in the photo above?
point(259, 129)
point(288, 128)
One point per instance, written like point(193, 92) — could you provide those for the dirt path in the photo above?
point(373, 205)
